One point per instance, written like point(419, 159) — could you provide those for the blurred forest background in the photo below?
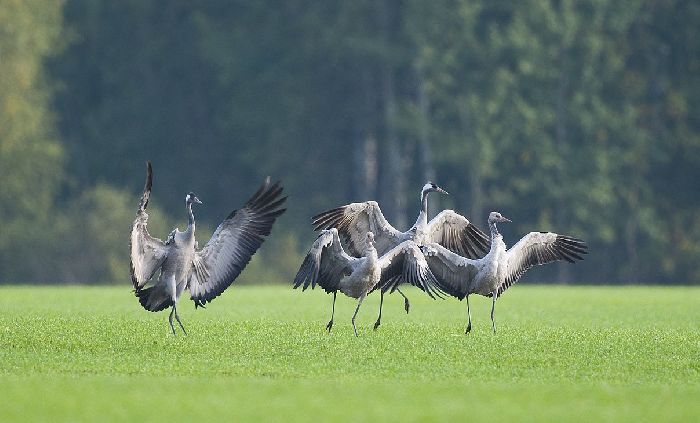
point(579, 117)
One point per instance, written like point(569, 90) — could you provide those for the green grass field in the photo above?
point(574, 353)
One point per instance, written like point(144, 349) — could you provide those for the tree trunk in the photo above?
point(476, 180)
point(426, 155)
point(560, 216)
point(365, 149)
point(631, 229)
point(395, 175)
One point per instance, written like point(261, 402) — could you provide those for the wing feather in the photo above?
point(456, 233)
point(233, 244)
point(354, 220)
point(453, 272)
point(537, 248)
point(147, 252)
point(405, 263)
point(325, 264)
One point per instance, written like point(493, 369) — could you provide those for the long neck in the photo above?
point(423, 216)
point(371, 253)
point(190, 217)
point(494, 230)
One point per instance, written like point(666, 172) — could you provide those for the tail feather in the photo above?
point(151, 300)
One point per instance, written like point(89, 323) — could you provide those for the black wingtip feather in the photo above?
point(564, 247)
point(144, 295)
point(328, 219)
point(262, 212)
point(273, 205)
point(328, 212)
point(147, 187)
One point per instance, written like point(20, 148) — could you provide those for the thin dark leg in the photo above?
point(330, 323)
point(177, 317)
point(381, 303)
point(170, 319)
point(469, 313)
point(406, 304)
point(359, 303)
point(493, 306)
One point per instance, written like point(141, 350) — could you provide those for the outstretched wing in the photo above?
point(233, 243)
point(453, 272)
point(405, 264)
point(456, 233)
point(325, 264)
point(354, 220)
point(538, 248)
point(147, 252)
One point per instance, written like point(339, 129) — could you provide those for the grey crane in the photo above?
point(448, 229)
point(491, 275)
point(206, 272)
point(329, 266)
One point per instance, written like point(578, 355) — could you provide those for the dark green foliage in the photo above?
point(31, 156)
point(576, 117)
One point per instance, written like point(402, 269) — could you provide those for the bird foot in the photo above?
point(469, 329)
point(329, 326)
point(406, 304)
point(377, 323)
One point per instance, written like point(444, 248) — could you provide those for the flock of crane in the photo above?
point(357, 252)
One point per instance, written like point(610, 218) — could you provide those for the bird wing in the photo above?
point(456, 233)
point(233, 243)
point(405, 263)
point(354, 220)
point(538, 248)
point(147, 252)
point(325, 264)
point(453, 272)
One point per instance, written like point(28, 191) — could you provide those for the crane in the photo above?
point(329, 266)
point(493, 274)
point(448, 229)
point(206, 273)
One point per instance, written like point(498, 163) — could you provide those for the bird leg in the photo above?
point(469, 313)
point(170, 319)
point(177, 317)
point(493, 306)
point(381, 302)
point(330, 323)
point(406, 304)
point(359, 303)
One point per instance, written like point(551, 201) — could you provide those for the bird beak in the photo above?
point(442, 191)
point(196, 200)
point(505, 219)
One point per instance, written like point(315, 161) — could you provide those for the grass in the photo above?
point(574, 353)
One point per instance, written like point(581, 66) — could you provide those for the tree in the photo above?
point(31, 156)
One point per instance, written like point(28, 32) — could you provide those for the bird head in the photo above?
point(495, 217)
point(432, 187)
point(191, 198)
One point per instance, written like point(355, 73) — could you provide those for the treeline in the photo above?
point(577, 117)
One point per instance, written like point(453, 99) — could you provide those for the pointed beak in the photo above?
point(442, 191)
point(505, 219)
point(196, 200)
